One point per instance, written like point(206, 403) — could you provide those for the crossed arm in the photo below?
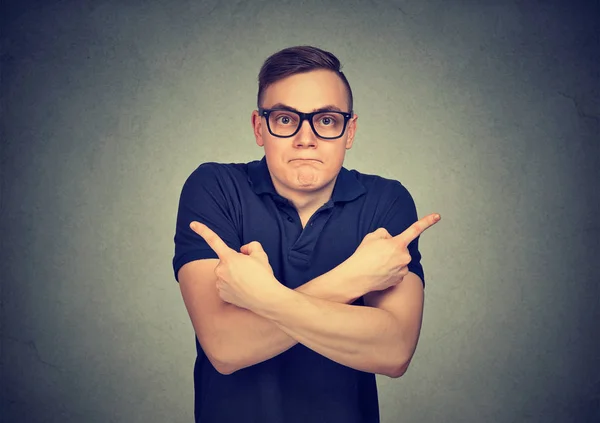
point(379, 338)
point(242, 315)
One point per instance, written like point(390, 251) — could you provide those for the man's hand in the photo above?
point(381, 259)
point(244, 279)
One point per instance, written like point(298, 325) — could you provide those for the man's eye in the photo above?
point(284, 120)
point(327, 120)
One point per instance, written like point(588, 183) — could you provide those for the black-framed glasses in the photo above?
point(285, 123)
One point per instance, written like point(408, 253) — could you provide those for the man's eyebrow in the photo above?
point(329, 107)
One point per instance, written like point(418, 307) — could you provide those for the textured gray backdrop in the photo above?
point(488, 112)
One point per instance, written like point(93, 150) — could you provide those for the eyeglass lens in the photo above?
point(326, 124)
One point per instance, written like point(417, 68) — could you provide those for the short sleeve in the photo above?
point(206, 198)
point(401, 213)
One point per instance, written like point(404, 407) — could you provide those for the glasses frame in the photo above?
point(304, 116)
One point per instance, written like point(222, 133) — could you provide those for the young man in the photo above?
point(302, 279)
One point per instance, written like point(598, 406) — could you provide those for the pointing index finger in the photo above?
point(212, 239)
point(417, 228)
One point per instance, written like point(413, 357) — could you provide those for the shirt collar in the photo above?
point(347, 187)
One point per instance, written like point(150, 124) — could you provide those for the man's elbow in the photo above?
point(222, 367)
point(227, 364)
point(219, 361)
point(398, 372)
point(225, 371)
point(398, 369)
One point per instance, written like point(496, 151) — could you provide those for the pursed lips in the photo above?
point(305, 160)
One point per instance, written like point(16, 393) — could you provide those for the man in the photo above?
point(302, 279)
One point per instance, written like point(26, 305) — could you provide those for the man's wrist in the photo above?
point(338, 285)
point(354, 284)
point(276, 299)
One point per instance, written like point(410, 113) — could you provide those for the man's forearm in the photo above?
point(247, 338)
point(364, 338)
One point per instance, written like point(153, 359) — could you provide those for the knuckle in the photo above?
point(404, 257)
point(398, 249)
point(255, 244)
point(382, 231)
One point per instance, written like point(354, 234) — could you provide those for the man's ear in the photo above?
point(256, 121)
point(352, 127)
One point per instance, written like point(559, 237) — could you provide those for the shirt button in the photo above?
point(290, 219)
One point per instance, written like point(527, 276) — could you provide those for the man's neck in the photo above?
point(306, 201)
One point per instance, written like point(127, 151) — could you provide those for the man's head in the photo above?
point(295, 60)
point(292, 83)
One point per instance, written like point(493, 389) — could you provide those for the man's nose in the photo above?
point(305, 136)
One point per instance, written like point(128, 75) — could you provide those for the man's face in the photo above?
point(305, 162)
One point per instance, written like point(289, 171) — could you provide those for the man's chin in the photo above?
point(307, 186)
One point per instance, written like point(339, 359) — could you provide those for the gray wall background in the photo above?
point(488, 112)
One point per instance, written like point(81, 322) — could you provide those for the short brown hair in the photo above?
point(294, 60)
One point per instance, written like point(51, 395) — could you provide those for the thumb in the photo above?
point(252, 248)
point(381, 233)
point(255, 250)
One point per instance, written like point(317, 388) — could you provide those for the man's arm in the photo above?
point(233, 337)
point(379, 339)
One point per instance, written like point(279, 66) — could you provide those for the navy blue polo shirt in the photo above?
point(239, 202)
